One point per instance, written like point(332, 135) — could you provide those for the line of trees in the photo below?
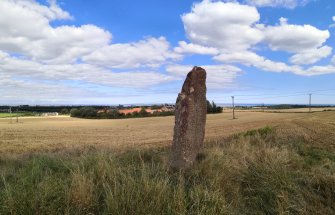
point(92, 113)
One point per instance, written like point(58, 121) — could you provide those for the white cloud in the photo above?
point(86, 73)
point(311, 56)
point(294, 38)
point(320, 70)
point(246, 58)
point(36, 59)
point(19, 91)
point(26, 30)
point(32, 36)
point(226, 26)
point(190, 48)
point(252, 59)
point(218, 76)
point(53, 12)
point(151, 52)
point(278, 3)
point(237, 32)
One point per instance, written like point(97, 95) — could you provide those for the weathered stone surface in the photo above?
point(190, 120)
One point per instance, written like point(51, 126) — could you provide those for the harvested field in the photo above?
point(291, 110)
point(54, 134)
point(261, 163)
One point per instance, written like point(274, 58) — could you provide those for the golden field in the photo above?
point(260, 163)
point(55, 134)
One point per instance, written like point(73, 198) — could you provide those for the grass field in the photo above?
point(6, 115)
point(20, 114)
point(261, 163)
point(291, 110)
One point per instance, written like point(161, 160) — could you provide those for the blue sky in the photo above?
point(123, 52)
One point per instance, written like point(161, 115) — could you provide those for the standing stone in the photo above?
point(190, 120)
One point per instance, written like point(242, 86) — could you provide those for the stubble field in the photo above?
point(54, 134)
point(260, 163)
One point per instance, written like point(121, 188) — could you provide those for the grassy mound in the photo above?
point(255, 172)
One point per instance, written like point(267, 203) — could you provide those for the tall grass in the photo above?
point(255, 172)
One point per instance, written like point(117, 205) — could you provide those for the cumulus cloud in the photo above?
point(26, 30)
point(235, 31)
point(246, 58)
point(319, 70)
point(32, 36)
point(39, 58)
point(190, 48)
point(252, 59)
point(53, 12)
point(294, 38)
point(36, 58)
point(226, 26)
point(218, 76)
point(278, 3)
point(311, 56)
point(151, 52)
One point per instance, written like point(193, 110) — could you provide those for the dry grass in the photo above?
point(290, 110)
point(55, 134)
point(62, 165)
point(287, 168)
point(81, 192)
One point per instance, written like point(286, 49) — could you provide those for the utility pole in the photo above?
point(233, 107)
point(17, 115)
point(263, 107)
point(310, 101)
point(10, 114)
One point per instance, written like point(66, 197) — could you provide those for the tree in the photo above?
point(113, 114)
point(209, 107)
point(64, 111)
point(75, 112)
point(143, 112)
point(135, 114)
point(213, 108)
point(88, 112)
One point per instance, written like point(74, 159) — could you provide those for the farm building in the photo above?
point(50, 114)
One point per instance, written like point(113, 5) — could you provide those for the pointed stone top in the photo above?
point(197, 69)
point(196, 79)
